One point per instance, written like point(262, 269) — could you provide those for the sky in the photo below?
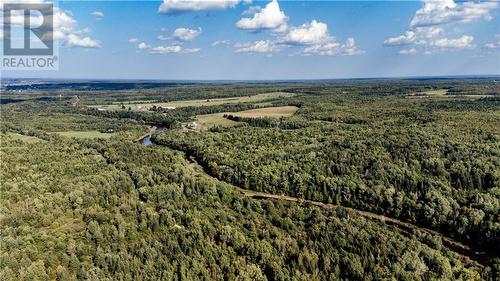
point(273, 40)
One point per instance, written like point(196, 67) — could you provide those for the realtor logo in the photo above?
point(28, 36)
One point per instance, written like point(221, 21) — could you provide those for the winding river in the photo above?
point(147, 139)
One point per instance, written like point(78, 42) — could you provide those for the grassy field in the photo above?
point(140, 106)
point(85, 134)
point(433, 93)
point(204, 122)
point(275, 112)
point(443, 93)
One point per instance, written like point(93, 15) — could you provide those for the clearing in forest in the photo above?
point(443, 93)
point(432, 93)
point(276, 112)
point(85, 134)
point(206, 121)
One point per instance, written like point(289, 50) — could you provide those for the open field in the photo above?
point(433, 93)
point(275, 112)
point(85, 134)
point(443, 93)
point(206, 121)
point(142, 106)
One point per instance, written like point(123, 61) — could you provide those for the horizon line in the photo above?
point(259, 80)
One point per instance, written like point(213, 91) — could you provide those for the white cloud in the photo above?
point(98, 14)
point(73, 40)
point(166, 49)
point(314, 36)
point(329, 49)
point(436, 19)
point(334, 48)
point(65, 30)
point(263, 46)
point(192, 50)
point(307, 34)
point(185, 6)
point(186, 34)
point(463, 42)
point(220, 42)
point(143, 45)
point(405, 39)
point(133, 40)
point(350, 48)
point(269, 17)
point(494, 45)
point(162, 37)
point(252, 10)
point(429, 31)
point(410, 51)
point(437, 12)
point(173, 49)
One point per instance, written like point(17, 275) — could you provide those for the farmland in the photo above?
point(206, 121)
point(144, 106)
point(85, 134)
point(274, 112)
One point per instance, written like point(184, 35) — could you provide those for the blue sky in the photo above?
point(281, 40)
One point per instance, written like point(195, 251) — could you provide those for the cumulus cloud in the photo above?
point(262, 46)
point(133, 40)
point(350, 48)
point(270, 17)
point(437, 12)
point(312, 36)
point(463, 42)
point(435, 20)
point(73, 40)
point(98, 14)
point(334, 48)
point(405, 39)
point(220, 42)
point(143, 45)
point(186, 6)
point(186, 34)
point(309, 33)
point(429, 32)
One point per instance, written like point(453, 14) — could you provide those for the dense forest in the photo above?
point(392, 156)
point(113, 209)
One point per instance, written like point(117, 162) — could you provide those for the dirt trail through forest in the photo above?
point(407, 229)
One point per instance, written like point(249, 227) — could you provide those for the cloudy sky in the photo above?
point(244, 39)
